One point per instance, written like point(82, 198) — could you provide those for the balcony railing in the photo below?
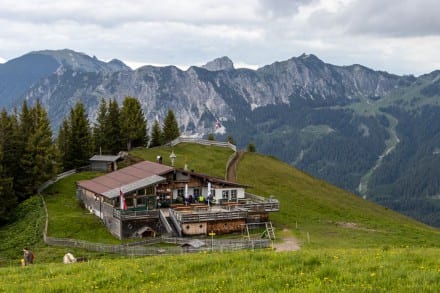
point(194, 217)
point(135, 213)
point(261, 207)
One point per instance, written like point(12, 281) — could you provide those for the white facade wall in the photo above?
point(219, 193)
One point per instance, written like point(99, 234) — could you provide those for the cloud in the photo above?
point(281, 8)
point(116, 13)
point(388, 35)
point(391, 18)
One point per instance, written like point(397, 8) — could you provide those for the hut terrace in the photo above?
point(149, 198)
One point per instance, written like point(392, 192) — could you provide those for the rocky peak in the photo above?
point(222, 63)
point(117, 64)
point(81, 62)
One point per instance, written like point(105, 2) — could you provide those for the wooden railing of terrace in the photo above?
point(194, 217)
point(135, 214)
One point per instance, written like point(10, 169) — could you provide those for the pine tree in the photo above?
point(170, 128)
point(99, 129)
point(156, 135)
point(63, 142)
point(251, 148)
point(79, 142)
point(22, 184)
point(114, 143)
point(8, 199)
point(40, 154)
point(133, 123)
point(10, 143)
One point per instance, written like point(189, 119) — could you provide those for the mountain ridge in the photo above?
point(331, 121)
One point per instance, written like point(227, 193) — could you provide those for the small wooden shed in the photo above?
point(105, 163)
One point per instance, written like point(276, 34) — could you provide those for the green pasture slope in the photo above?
point(347, 243)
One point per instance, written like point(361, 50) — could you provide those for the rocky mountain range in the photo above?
point(368, 131)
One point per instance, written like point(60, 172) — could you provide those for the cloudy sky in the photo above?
point(398, 36)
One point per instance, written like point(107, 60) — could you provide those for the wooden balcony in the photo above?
point(210, 215)
point(135, 213)
point(260, 207)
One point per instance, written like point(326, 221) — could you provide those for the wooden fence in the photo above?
point(146, 247)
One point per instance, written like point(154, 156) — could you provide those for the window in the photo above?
point(233, 194)
point(225, 194)
point(141, 201)
point(196, 192)
point(129, 201)
point(180, 192)
point(149, 190)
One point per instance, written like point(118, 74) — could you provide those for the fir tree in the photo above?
point(114, 143)
point(22, 184)
point(63, 142)
point(99, 130)
point(8, 199)
point(170, 128)
point(156, 135)
point(133, 123)
point(40, 155)
point(10, 143)
point(251, 148)
point(79, 142)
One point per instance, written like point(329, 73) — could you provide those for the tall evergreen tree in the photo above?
point(99, 129)
point(170, 127)
point(114, 142)
point(40, 155)
point(22, 184)
point(79, 142)
point(156, 135)
point(8, 199)
point(11, 143)
point(63, 142)
point(133, 123)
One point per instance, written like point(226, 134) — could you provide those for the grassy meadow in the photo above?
point(347, 243)
point(310, 270)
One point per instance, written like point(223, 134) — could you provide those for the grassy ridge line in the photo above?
point(202, 159)
point(329, 270)
point(330, 216)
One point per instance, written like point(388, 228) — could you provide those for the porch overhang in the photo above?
point(115, 192)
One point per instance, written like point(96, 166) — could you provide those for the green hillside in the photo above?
point(330, 216)
point(347, 242)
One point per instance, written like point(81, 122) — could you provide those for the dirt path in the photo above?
point(288, 244)
point(232, 168)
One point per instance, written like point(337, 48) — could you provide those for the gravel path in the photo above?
point(288, 244)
